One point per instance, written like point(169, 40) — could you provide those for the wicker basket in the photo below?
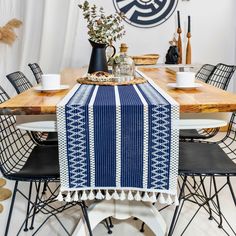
point(147, 59)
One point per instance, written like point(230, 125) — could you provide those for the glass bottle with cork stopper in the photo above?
point(123, 65)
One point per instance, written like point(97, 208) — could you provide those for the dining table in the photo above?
point(203, 99)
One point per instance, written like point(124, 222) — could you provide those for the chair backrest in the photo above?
point(35, 68)
point(205, 71)
point(19, 81)
point(221, 76)
point(15, 145)
point(3, 95)
point(228, 142)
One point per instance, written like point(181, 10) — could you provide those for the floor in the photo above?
point(201, 226)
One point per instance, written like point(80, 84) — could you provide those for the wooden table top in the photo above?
point(205, 99)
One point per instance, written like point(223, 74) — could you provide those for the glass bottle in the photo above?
point(123, 66)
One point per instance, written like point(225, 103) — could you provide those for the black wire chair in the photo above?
point(219, 77)
point(21, 84)
point(204, 72)
point(35, 68)
point(19, 81)
point(202, 160)
point(22, 160)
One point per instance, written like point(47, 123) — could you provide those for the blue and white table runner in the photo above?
point(118, 142)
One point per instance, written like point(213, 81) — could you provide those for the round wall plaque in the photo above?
point(146, 13)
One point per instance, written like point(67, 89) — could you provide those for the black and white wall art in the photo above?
point(146, 13)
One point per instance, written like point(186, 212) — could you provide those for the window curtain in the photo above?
point(48, 36)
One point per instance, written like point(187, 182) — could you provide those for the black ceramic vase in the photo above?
point(98, 60)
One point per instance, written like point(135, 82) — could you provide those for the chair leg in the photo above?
point(28, 208)
point(35, 203)
point(207, 199)
point(110, 222)
point(44, 187)
point(218, 202)
point(175, 216)
point(142, 228)
point(108, 227)
point(85, 213)
point(231, 190)
point(11, 208)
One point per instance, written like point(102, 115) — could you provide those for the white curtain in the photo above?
point(47, 36)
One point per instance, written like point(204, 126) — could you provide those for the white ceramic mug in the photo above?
point(185, 79)
point(51, 81)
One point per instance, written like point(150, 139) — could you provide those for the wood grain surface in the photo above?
point(205, 99)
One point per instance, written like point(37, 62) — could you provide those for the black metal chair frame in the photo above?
point(219, 77)
point(205, 72)
point(17, 151)
point(35, 68)
point(195, 191)
point(19, 81)
point(21, 84)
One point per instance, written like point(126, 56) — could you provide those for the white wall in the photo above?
point(213, 34)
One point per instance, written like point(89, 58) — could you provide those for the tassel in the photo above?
point(108, 195)
point(115, 195)
point(162, 199)
point(176, 200)
point(169, 200)
point(68, 197)
point(146, 198)
point(84, 196)
point(137, 196)
point(60, 197)
point(130, 196)
point(76, 197)
point(91, 195)
point(153, 197)
point(122, 195)
point(99, 195)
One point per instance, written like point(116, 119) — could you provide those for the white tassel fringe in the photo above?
point(130, 196)
point(91, 195)
point(108, 196)
point(99, 195)
point(60, 197)
point(115, 195)
point(68, 197)
point(122, 195)
point(84, 196)
point(137, 196)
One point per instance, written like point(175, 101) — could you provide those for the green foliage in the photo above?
point(102, 28)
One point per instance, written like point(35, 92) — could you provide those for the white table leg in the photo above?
point(146, 212)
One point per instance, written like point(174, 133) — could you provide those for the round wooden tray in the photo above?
point(136, 80)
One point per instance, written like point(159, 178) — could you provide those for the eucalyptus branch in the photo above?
point(102, 28)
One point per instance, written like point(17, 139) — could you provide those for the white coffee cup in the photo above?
point(185, 79)
point(51, 81)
